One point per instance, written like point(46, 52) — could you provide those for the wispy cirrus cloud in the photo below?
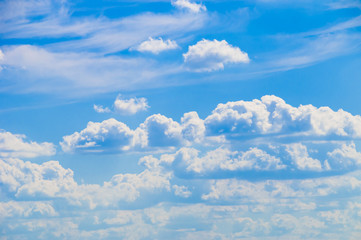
point(27, 68)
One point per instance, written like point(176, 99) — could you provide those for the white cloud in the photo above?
point(161, 131)
point(209, 55)
point(225, 160)
point(266, 121)
point(101, 109)
point(51, 180)
point(14, 145)
point(301, 159)
point(193, 127)
point(109, 135)
point(1, 55)
point(26, 178)
point(268, 191)
point(26, 209)
point(191, 6)
point(156, 46)
point(114, 136)
point(130, 106)
point(345, 157)
point(74, 74)
point(271, 115)
point(181, 191)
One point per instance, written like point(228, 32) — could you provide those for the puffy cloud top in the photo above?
point(156, 45)
point(109, 135)
point(156, 131)
point(209, 55)
point(271, 115)
point(191, 6)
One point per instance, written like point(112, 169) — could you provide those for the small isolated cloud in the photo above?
point(209, 55)
point(156, 45)
point(14, 145)
point(101, 109)
point(191, 6)
point(130, 106)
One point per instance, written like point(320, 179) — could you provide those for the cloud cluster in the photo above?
point(268, 120)
point(26, 209)
point(42, 194)
point(26, 180)
point(14, 145)
point(113, 136)
point(208, 55)
point(156, 46)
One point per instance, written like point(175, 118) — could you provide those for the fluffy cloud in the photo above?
point(156, 46)
point(301, 159)
point(109, 135)
point(209, 55)
point(26, 180)
point(26, 209)
point(268, 120)
point(225, 160)
point(156, 131)
point(161, 131)
point(271, 115)
point(14, 145)
point(191, 6)
point(345, 157)
point(101, 109)
point(130, 106)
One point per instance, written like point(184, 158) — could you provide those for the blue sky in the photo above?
point(180, 119)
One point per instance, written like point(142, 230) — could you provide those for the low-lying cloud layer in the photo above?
point(229, 167)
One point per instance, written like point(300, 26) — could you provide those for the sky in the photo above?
point(180, 119)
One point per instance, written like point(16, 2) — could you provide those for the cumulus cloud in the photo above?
point(101, 109)
point(226, 160)
point(156, 46)
point(301, 159)
point(155, 132)
point(268, 120)
point(26, 209)
point(209, 55)
point(271, 115)
point(191, 6)
point(161, 131)
point(109, 135)
point(50, 180)
point(14, 145)
point(130, 106)
point(345, 157)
